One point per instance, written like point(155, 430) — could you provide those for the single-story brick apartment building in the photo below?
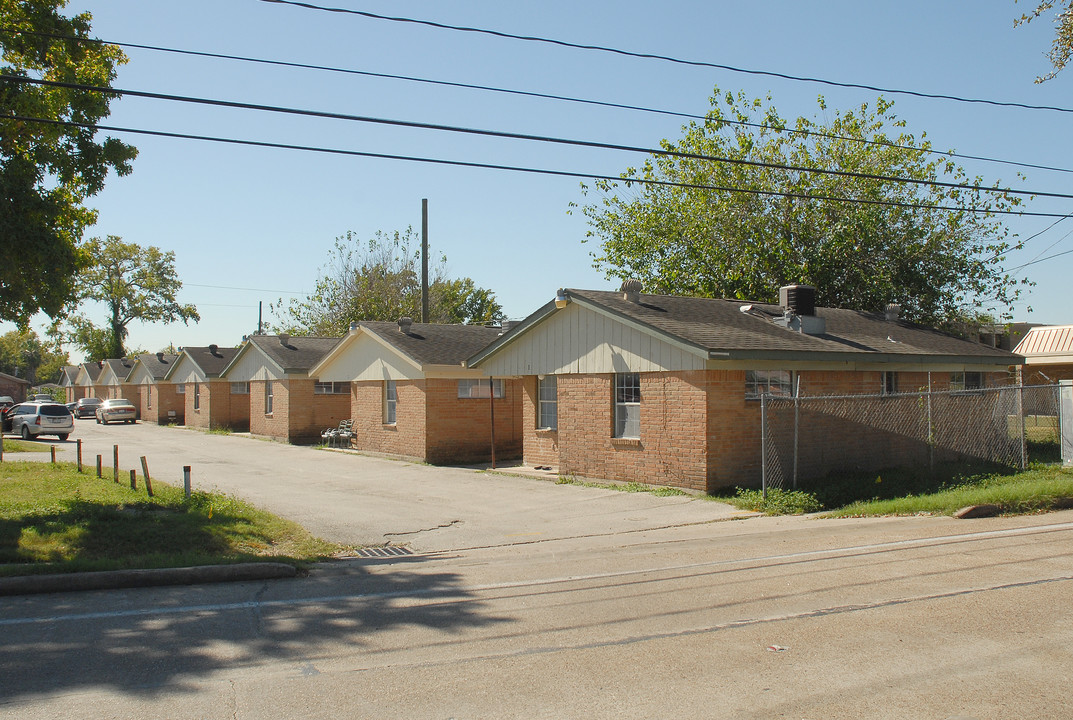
point(411, 396)
point(156, 399)
point(665, 390)
point(196, 374)
point(282, 400)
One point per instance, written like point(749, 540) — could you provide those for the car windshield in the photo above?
point(89, 401)
point(55, 410)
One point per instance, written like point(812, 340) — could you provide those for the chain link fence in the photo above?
point(810, 437)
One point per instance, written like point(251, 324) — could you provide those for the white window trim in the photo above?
point(767, 376)
point(270, 397)
point(622, 409)
point(391, 404)
point(542, 403)
point(475, 389)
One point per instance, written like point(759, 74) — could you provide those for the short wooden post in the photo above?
point(148, 486)
point(98, 466)
point(52, 450)
point(133, 479)
point(1, 447)
point(79, 454)
point(115, 462)
point(186, 481)
point(145, 474)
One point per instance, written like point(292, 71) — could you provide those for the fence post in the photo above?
point(133, 479)
point(115, 463)
point(931, 432)
point(1021, 417)
point(797, 424)
point(79, 454)
point(763, 444)
point(186, 481)
point(52, 450)
point(98, 467)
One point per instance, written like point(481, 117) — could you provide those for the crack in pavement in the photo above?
point(424, 530)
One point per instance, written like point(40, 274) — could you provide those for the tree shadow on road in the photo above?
point(140, 641)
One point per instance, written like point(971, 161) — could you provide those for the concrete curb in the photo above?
point(114, 579)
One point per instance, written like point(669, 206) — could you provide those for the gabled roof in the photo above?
point(210, 360)
point(1049, 341)
point(157, 364)
point(120, 367)
point(717, 328)
point(297, 355)
point(68, 373)
point(434, 344)
point(92, 370)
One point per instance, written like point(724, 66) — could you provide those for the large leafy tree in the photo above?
point(47, 171)
point(23, 354)
point(381, 280)
point(760, 220)
point(133, 283)
point(1062, 45)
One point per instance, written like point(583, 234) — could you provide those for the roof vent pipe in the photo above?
point(799, 299)
point(893, 312)
point(631, 290)
point(213, 349)
point(160, 357)
point(284, 339)
point(405, 323)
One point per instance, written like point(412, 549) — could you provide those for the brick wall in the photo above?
point(309, 414)
point(406, 437)
point(1046, 374)
point(459, 430)
point(539, 447)
point(214, 405)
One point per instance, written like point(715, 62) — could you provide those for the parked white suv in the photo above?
point(40, 418)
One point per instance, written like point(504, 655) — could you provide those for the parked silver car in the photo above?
point(31, 419)
point(116, 410)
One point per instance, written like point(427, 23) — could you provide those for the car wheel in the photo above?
point(104, 421)
point(98, 421)
point(25, 433)
point(62, 437)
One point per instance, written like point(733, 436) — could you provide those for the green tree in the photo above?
point(25, 355)
point(133, 283)
point(755, 227)
point(1062, 45)
point(381, 280)
point(48, 171)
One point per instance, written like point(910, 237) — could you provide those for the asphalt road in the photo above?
point(797, 618)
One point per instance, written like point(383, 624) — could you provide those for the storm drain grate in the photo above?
point(385, 551)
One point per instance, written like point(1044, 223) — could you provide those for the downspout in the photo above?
point(492, 412)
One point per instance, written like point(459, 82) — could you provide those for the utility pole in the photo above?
point(424, 260)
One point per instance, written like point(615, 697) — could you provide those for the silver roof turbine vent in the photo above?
point(284, 339)
point(893, 312)
point(405, 323)
point(631, 290)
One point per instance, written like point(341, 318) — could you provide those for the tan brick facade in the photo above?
point(208, 404)
point(699, 431)
point(160, 403)
point(433, 424)
point(298, 414)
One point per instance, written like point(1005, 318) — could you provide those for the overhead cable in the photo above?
point(665, 58)
point(529, 137)
point(546, 96)
point(529, 170)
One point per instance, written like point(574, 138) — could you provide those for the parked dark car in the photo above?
point(86, 407)
point(6, 412)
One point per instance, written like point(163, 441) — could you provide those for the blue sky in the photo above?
point(249, 224)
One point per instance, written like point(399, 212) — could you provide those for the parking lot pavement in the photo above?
point(363, 500)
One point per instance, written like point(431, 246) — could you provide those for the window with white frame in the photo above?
point(391, 402)
point(197, 396)
point(771, 382)
point(331, 388)
point(240, 388)
point(548, 399)
point(268, 397)
point(479, 388)
point(890, 383)
point(627, 405)
point(148, 397)
point(966, 380)
point(180, 389)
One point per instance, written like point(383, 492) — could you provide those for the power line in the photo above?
point(228, 287)
point(528, 137)
point(665, 58)
point(544, 96)
point(529, 170)
point(1034, 262)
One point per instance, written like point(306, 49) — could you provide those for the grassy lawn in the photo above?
point(16, 446)
point(909, 491)
point(53, 519)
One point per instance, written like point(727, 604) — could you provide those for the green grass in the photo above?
point(54, 519)
point(915, 491)
point(14, 446)
point(630, 487)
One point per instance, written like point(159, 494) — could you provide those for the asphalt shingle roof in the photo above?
point(120, 366)
point(299, 354)
point(435, 344)
point(212, 362)
point(721, 326)
point(93, 369)
point(157, 365)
